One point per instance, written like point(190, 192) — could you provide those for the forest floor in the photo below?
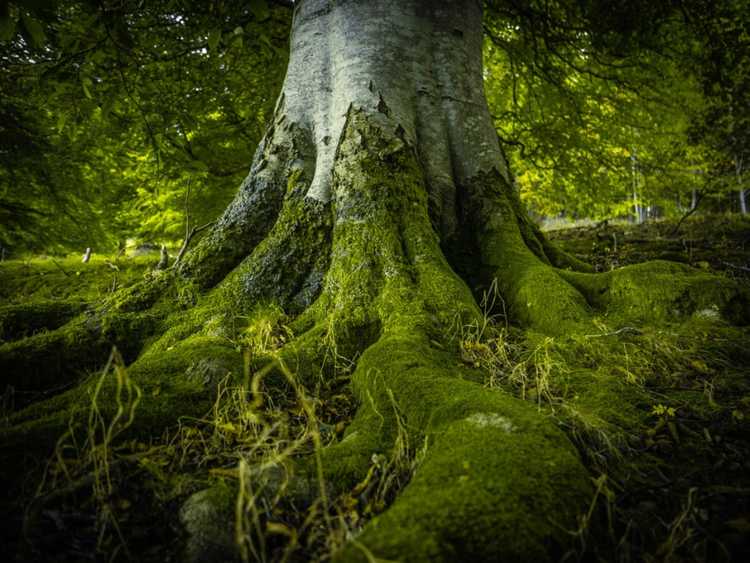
point(693, 504)
point(680, 491)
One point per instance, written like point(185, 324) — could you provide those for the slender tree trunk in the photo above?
point(738, 161)
point(637, 208)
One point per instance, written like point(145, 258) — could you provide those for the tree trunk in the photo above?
point(414, 68)
point(380, 178)
point(738, 168)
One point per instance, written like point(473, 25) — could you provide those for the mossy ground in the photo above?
point(682, 488)
point(67, 278)
point(658, 410)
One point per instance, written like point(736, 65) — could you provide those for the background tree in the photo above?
point(723, 70)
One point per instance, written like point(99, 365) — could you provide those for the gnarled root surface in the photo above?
point(368, 276)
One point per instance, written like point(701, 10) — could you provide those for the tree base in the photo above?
point(376, 301)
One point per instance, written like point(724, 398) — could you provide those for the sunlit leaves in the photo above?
point(570, 119)
point(122, 107)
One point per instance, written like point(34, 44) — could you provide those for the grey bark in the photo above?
point(417, 61)
point(415, 64)
point(738, 168)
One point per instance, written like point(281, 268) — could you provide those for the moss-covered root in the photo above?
point(659, 290)
point(560, 301)
point(497, 482)
point(50, 361)
point(513, 254)
point(179, 382)
point(285, 152)
point(24, 319)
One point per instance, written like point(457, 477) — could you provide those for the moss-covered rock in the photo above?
point(208, 518)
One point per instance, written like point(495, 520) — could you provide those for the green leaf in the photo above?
point(259, 9)
point(61, 119)
point(7, 28)
point(34, 30)
point(214, 36)
point(86, 84)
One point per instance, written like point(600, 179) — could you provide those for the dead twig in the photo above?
point(698, 198)
point(189, 233)
point(736, 267)
point(60, 267)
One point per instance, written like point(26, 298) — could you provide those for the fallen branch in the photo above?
point(698, 199)
point(736, 267)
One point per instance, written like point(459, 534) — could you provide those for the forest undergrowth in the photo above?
point(670, 466)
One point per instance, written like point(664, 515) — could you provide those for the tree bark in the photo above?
point(738, 168)
point(416, 65)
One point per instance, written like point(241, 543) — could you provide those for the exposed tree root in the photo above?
point(490, 461)
point(25, 319)
point(366, 281)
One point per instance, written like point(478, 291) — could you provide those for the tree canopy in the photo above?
point(111, 110)
point(152, 113)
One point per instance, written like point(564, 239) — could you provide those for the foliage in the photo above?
point(110, 110)
point(120, 121)
point(724, 63)
point(603, 107)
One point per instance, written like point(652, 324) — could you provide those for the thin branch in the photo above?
point(699, 197)
point(735, 266)
point(194, 231)
point(60, 267)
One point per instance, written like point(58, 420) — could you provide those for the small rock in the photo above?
point(711, 313)
point(208, 519)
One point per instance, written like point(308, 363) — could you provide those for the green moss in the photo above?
point(48, 361)
point(658, 291)
point(68, 278)
point(252, 215)
point(24, 319)
point(288, 266)
point(492, 476)
point(387, 271)
point(491, 460)
point(179, 382)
